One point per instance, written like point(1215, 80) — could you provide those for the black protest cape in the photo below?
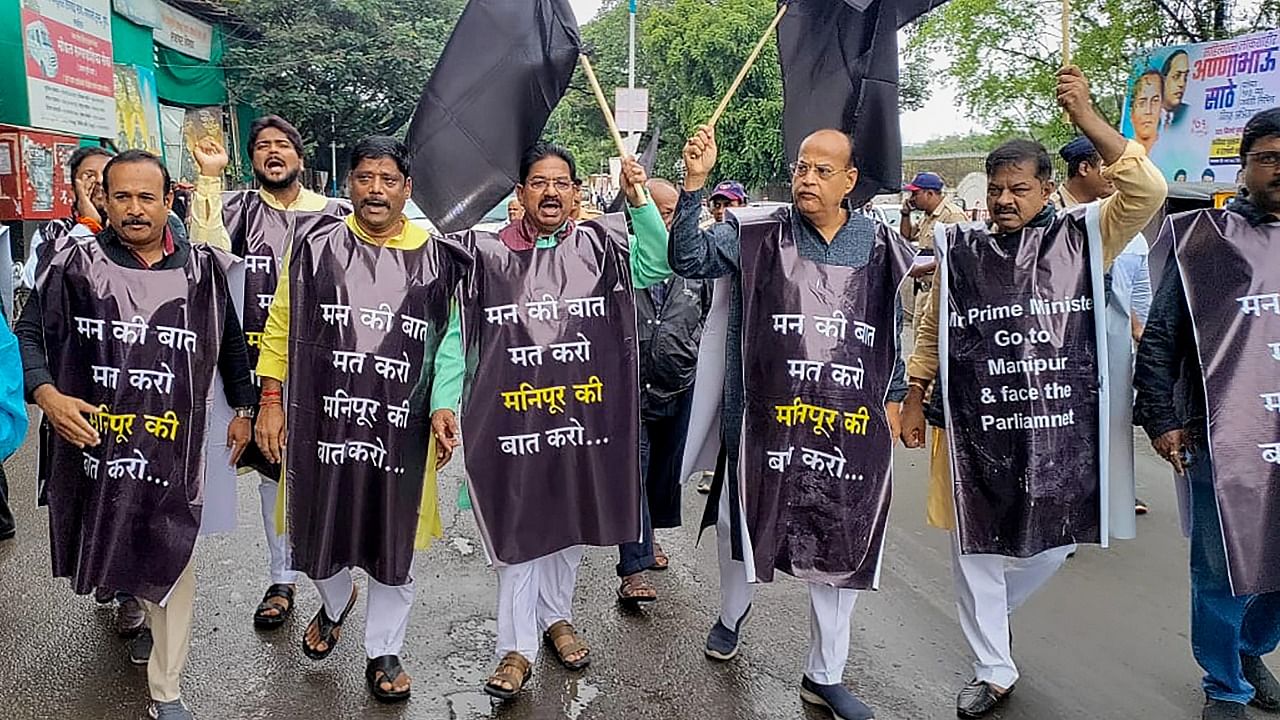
point(550, 410)
point(142, 346)
point(813, 477)
point(1231, 275)
point(1020, 326)
point(260, 234)
point(364, 325)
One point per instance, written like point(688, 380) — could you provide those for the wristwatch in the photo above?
point(244, 412)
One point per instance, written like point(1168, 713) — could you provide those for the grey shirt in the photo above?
point(714, 252)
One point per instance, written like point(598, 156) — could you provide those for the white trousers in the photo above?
point(171, 633)
point(989, 588)
point(277, 545)
point(386, 617)
point(830, 608)
point(533, 596)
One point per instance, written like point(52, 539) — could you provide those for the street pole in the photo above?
point(631, 48)
point(333, 151)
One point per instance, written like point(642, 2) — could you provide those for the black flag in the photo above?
point(506, 66)
point(840, 70)
point(647, 158)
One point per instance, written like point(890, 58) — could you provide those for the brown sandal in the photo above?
point(660, 559)
point(636, 589)
point(514, 670)
point(565, 641)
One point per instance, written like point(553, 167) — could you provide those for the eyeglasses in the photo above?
point(538, 184)
point(824, 172)
point(1265, 158)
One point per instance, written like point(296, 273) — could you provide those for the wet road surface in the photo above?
point(1106, 639)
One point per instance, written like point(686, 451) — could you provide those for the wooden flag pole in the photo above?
point(1066, 47)
point(608, 116)
point(746, 67)
point(1066, 32)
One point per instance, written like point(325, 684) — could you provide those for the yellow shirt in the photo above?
point(1140, 190)
point(273, 362)
point(273, 353)
point(206, 210)
point(946, 213)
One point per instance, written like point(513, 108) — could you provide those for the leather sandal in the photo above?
point(514, 670)
point(263, 621)
point(564, 640)
point(385, 669)
point(636, 590)
point(329, 630)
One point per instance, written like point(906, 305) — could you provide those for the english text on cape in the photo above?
point(1018, 421)
point(1025, 366)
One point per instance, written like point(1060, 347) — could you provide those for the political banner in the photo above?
point(70, 84)
point(1188, 104)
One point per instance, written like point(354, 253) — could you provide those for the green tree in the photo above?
point(338, 68)
point(1003, 54)
point(687, 54)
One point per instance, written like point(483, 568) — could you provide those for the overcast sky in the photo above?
point(940, 116)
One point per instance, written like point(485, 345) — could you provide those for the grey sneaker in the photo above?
point(140, 647)
point(176, 710)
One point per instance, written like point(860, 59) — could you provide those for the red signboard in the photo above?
point(35, 180)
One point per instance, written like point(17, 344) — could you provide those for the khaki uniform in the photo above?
point(946, 213)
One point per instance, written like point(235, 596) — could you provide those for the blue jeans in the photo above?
point(634, 557)
point(1223, 626)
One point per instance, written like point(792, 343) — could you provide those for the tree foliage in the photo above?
point(1003, 54)
point(338, 68)
point(688, 52)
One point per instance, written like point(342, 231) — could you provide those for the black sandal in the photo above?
point(385, 669)
point(261, 621)
point(327, 629)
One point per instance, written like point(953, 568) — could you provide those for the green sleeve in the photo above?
point(446, 392)
point(648, 246)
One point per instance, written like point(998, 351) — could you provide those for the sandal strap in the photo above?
point(565, 639)
point(279, 590)
point(633, 583)
point(388, 665)
point(513, 670)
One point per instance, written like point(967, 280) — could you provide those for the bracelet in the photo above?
point(272, 393)
point(268, 402)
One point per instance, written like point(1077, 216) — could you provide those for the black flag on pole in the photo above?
point(840, 70)
point(504, 69)
point(647, 158)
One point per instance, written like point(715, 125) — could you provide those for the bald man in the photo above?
point(669, 315)
point(805, 368)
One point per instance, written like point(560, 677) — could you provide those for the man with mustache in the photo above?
point(808, 377)
point(359, 310)
point(1175, 88)
point(1206, 385)
point(550, 401)
point(254, 224)
point(1145, 108)
point(120, 345)
point(990, 586)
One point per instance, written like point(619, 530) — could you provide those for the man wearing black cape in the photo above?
point(550, 407)
point(811, 381)
point(1024, 455)
point(120, 347)
point(358, 313)
point(1209, 398)
point(254, 225)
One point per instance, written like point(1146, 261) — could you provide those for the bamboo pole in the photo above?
point(746, 67)
point(608, 116)
point(1066, 32)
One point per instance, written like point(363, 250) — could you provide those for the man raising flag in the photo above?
point(255, 225)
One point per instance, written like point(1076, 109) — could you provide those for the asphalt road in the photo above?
point(1106, 639)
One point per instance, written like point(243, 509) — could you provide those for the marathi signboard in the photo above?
point(70, 83)
point(185, 33)
point(1188, 104)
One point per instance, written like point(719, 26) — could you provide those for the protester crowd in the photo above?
point(339, 353)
